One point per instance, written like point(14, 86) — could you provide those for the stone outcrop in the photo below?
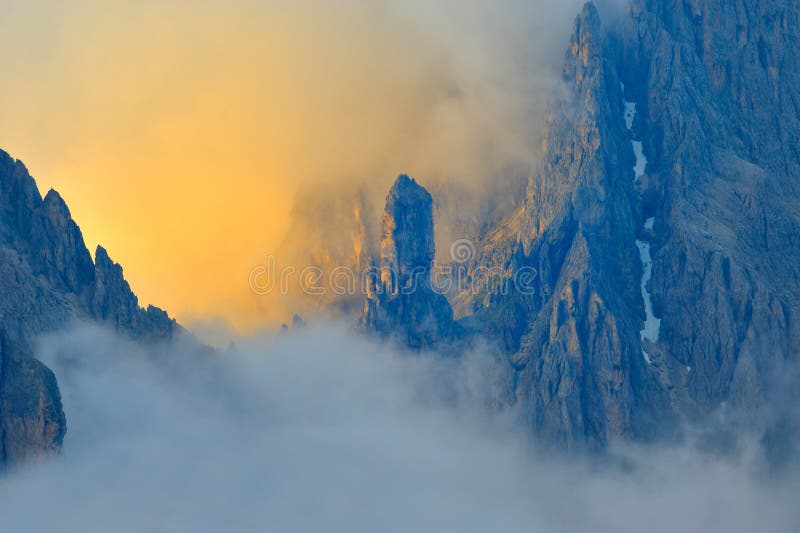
point(47, 279)
point(31, 415)
point(402, 301)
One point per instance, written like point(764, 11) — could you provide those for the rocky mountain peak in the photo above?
point(111, 285)
point(585, 47)
point(55, 203)
point(403, 302)
point(19, 196)
point(407, 248)
point(57, 246)
point(696, 166)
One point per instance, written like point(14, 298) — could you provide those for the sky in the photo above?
point(179, 132)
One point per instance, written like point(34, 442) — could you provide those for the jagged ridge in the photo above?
point(48, 278)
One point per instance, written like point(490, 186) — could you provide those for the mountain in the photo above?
point(48, 279)
point(668, 174)
point(646, 277)
point(651, 277)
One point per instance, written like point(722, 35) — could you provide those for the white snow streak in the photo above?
point(630, 112)
point(652, 325)
point(641, 160)
point(638, 150)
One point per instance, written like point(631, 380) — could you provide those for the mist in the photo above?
point(212, 114)
point(461, 111)
point(318, 430)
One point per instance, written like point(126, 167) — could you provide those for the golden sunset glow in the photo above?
point(179, 132)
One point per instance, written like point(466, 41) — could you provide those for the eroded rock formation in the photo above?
point(402, 301)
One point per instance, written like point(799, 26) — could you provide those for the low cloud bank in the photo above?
point(321, 431)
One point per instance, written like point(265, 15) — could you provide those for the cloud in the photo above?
point(321, 431)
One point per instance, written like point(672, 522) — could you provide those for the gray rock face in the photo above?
point(723, 184)
point(57, 248)
point(716, 93)
point(401, 300)
point(33, 422)
point(572, 332)
point(407, 247)
point(47, 278)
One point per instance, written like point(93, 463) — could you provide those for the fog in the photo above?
point(461, 110)
point(318, 430)
point(212, 114)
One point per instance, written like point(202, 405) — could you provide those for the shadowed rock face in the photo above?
point(574, 340)
point(401, 301)
point(724, 188)
point(57, 247)
point(47, 278)
point(723, 183)
point(407, 247)
point(716, 112)
point(33, 422)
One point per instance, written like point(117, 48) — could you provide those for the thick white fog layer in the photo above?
point(320, 431)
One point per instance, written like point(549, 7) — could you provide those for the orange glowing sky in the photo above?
point(178, 132)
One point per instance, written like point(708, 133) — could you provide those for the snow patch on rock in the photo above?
point(652, 325)
point(641, 160)
point(638, 149)
point(630, 112)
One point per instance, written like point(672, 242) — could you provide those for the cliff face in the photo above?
point(573, 334)
point(660, 224)
point(47, 278)
point(719, 97)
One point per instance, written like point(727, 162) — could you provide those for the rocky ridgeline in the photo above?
point(47, 279)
